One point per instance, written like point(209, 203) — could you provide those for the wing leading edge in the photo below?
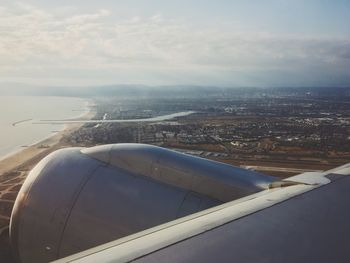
point(303, 222)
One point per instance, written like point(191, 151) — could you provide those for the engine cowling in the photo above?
point(77, 198)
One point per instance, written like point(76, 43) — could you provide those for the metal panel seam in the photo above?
point(73, 205)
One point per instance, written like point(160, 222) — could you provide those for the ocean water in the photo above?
point(26, 110)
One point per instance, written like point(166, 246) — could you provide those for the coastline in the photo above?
point(28, 135)
point(29, 156)
point(25, 157)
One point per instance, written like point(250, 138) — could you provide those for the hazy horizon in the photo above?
point(204, 43)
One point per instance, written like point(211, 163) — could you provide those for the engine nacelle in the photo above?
point(78, 198)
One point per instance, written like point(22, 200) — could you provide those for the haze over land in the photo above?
point(210, 43)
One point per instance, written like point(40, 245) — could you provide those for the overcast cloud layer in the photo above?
point(72, 47)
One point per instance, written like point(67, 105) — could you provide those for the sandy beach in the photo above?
point(25, 157)
point(13, 171)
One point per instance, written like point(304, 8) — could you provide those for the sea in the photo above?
point(19, 113)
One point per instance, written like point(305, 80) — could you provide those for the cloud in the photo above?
point(86, 18)
point(41, 44)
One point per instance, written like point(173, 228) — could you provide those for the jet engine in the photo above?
point(78, 198)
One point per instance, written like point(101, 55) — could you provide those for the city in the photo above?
point(302, 133)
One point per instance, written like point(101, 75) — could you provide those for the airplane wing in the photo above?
point(218, 214)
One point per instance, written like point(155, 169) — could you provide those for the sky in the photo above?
point(231, 43)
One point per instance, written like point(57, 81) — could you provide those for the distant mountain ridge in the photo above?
point(129, 90)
